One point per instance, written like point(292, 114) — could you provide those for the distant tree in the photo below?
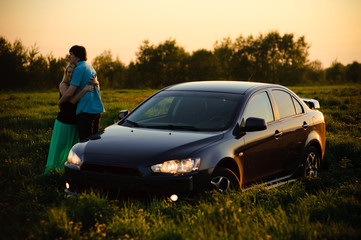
point(13, 58)
point(146, 65)
point(353, 72)
point(243, 62)
point(203, 65)
point(55, 70)
point(133, 76)
point(224, 52)
point(280, 59)
point(294, 54)
point(119, 73)
point(36, 69)
point(314, 73)
point(336, 72)
point(267, 58)
point(103, 66)
point(109, 72)
point(161, 65)
point(22, 68)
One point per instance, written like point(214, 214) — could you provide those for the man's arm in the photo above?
point(68, 94)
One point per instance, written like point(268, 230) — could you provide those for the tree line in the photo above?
point(272, 58)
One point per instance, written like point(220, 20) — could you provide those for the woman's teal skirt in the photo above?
point(62, 140)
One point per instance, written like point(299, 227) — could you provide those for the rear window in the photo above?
point(299, 108)
point(284, 103)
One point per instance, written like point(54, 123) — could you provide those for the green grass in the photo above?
point(33, 206)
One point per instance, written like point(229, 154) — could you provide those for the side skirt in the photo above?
point(274, 183)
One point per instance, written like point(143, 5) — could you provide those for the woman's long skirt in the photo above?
point(63, 138)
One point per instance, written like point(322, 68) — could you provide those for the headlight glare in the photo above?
point(177, 166)
point(74, 159)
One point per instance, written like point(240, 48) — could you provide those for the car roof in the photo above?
point(239, 87)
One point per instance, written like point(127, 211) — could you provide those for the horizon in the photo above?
point(331, 28)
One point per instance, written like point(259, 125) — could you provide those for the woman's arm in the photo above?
point(63, 87)
point(94, 81)
point(67, 92)
point(79, 95)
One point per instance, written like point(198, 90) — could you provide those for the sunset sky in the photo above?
point(332, 27)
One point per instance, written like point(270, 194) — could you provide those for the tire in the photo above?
point(223, 180)
point(312, 163)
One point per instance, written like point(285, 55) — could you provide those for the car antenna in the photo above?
point(249, 79)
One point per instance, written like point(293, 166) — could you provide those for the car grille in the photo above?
point(110, 169)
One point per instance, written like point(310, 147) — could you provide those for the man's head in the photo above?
point(79, 52)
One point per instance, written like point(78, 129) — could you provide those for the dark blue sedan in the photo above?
point(199, 136)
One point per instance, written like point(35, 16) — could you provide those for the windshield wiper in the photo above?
point(133, 123)
point(175, 127)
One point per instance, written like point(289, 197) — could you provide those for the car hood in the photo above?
point(119, 145)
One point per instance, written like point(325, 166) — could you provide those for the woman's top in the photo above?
point(67, 112)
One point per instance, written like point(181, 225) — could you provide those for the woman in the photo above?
point(65, 133)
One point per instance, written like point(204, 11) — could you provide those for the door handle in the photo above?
point(305, 125)
point(278, 134)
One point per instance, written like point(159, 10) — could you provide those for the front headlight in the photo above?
point(177, 166)
point(74, 159)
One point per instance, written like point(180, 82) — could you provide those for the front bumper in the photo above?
point(79, 180)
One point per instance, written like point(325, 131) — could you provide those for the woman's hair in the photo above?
point(79, 51)
point(65, 79)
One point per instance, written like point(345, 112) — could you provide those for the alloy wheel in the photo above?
point(312, 164)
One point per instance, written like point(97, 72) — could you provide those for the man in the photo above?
point(90, 106)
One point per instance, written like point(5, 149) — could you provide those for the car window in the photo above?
point(160, 108)
point(201, 111)
point(260, 107)
point(299, 108)
point(284, 103)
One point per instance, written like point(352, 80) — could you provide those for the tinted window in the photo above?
point(298, 106)
point(159, 108)
point(260, 107)
point(201, 111)
point(284, 103)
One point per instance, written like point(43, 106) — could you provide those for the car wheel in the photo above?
point(312, 162)
point(223, 180)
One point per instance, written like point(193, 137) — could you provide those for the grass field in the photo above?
point(33, 206)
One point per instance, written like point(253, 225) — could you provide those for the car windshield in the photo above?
point(186, 110)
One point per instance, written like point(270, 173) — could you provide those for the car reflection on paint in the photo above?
point(197, 136)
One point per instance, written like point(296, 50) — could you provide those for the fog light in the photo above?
point(174, 197)
point(67, 185)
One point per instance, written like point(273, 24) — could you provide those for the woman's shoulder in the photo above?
point(63, 86)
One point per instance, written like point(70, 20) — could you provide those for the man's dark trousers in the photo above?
point(87, 124)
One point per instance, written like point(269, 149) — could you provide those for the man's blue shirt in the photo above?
point(91, 102)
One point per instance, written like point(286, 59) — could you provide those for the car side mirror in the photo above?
point(311, 103)
point(122, 114)
point(254, 124)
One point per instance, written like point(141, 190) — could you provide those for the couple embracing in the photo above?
point(80, 108)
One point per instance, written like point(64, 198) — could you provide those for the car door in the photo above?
point(294, 125)
point(261, 152)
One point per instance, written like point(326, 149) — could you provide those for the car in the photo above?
point(208, 135)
